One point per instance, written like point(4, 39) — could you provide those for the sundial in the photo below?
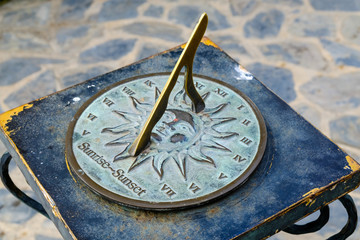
point(150, 152)
point(206, 143)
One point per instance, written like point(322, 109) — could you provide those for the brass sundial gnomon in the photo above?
point(191, 142)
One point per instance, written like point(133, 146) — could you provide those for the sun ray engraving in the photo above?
point(180, 136)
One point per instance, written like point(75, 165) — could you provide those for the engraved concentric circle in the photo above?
point(191, 159)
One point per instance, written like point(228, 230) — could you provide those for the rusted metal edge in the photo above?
point(312, 200)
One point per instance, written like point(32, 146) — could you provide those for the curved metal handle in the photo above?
point(316, 225)
point(186, 59)
point(311, 226)
point(350, 226)
point(9, 184)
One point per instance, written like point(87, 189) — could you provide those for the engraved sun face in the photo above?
point(180, 135)
point(176, 130)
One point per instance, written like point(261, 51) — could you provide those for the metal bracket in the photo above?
point(9, 184)
point(316, 225)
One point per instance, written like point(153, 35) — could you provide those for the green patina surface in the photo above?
point(190, 157)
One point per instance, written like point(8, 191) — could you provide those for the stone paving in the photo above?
point(306, 51)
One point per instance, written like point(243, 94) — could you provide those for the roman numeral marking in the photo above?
point(85, 132)
point(149, 83)
point(199, 85)
point(128, 91)
point(167, 190)
point(246, 122)
point(240, 107)
point(220, 92)
point(239, 158)
point(108, 102)
point(194, 188)
point(157, 93)
point(222, 175)
point(91, 116)
point(246, 141)
point(160, 129)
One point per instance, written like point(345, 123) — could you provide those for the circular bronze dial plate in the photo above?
point(191, 159)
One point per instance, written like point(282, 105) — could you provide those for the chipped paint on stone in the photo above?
point(205, 41)
point(311, 192)
point(353, 165)
point(208, 42)
point(7, 116)
point(310, 202)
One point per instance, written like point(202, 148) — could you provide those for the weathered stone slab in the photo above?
point(335, 5)
point(335, 94)
point(342, 54)
point(346, 130)
point(73, 10)
point(110, 50)
point(264, 24)
point(28, 17)
point(22, 41)
point(350, 28)
point(159, 30)
point(65, 35)
point(307, 55)
point(185, 14)
point(113, 10)
point(154, 11)
point(79, 77)
point(313, 25)
point(41, 86)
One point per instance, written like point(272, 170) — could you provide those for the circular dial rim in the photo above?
point(163, 206)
